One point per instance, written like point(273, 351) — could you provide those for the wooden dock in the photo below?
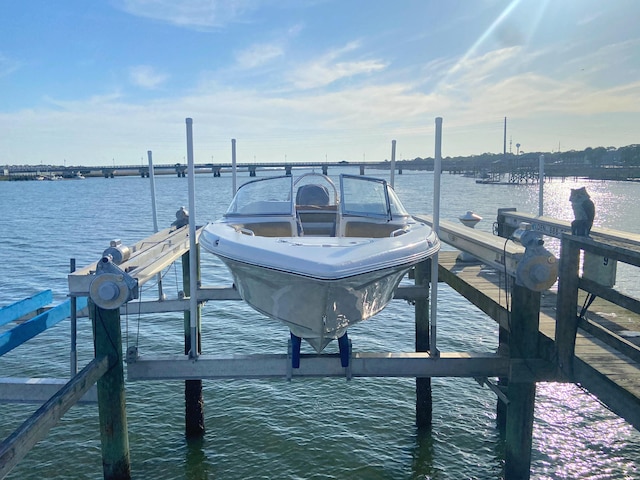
point(602, 369)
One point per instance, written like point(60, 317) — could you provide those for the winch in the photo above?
point(538, 268)
point(112, 287)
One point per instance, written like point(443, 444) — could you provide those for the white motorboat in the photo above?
point(318, 260)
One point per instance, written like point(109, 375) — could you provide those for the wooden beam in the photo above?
point(610, 295)
point(36, 427)
point(556, 228)
point(620, 344)
point(618, 400)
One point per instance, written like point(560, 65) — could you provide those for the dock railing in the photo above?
point(587, 264)
point(568, 318)
point(33, 316)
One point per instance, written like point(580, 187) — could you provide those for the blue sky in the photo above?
point(102, 82)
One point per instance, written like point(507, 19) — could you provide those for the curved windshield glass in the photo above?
point(267, 196)
point(364, 196)
point(397, 209)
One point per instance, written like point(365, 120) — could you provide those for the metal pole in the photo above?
point(152, 178)
point(233, 166)
point(193, 272)
point(437, 169)
point(393, 163)
point(73, 356)
point(504, 142)
point(541, 186)
point(154, 212)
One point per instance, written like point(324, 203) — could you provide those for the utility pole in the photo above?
point(504, 141)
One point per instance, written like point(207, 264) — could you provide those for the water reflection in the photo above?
point(574, 437)
point(196, 465)
point(423, 467)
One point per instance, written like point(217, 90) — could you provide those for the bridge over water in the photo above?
point(180, 169)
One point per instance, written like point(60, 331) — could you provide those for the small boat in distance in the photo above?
point(316, 258)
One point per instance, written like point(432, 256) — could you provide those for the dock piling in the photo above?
point(194, 403)
point(116, 463)
point(523, 344)
point(567, 314)
point(424, 405)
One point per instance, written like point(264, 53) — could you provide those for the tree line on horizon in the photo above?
point(627, 156)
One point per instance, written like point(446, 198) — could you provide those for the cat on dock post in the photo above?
point(584, 212)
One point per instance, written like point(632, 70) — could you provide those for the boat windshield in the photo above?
point(395, 205)
point(369, 197)
point(267, 196)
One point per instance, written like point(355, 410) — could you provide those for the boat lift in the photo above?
point(114, 281)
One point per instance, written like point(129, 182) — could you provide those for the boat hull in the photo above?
point(318, 286)
point(317, 310)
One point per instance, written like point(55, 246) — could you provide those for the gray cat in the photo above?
point(584, 212)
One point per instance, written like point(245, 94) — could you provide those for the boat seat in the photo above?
point(266, 229)
point(312, 195)
point(369, 230)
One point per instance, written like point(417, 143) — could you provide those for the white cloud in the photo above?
point(327, 69)
point(361, 116)
point(146, 76)
point(189, 13)
point(258, 55)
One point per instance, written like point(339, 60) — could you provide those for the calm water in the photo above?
point(305, 429)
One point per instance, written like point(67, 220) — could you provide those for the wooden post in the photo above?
point(424, 406)
point(504, 231)
point(194, 403)
point(567, 305)
point(525, 320)
point(503, 382)
point(116, 464)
